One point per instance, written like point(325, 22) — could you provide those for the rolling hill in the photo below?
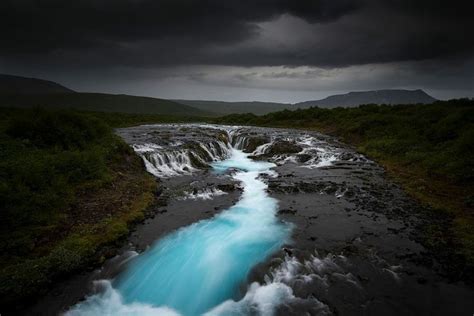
point(350, 99)
point(29, 92)
point(21, 92)
point(101, 102)
point(222, 107)
point(353, 99)
point(21, 85)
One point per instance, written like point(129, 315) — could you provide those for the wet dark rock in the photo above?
point(302, 158)
point(158, 190)
point(422, 280)
point(347, 156)
point(289, 252)
point(227, 187)
point(253, 142)
point(287, 211)
point(224, 137)
point(196, 162)
point(283, 147)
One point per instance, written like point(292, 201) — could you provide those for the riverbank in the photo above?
point(427, 149)
point(354, 247)
point(70, 191)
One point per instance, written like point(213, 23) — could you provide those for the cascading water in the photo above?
point(169, 163)
point(196, 268)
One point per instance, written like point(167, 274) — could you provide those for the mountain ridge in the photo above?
point(350, 99)
point(229, 107)
point(385, 96)
point(23, 92)
point(10, 84)
point(16, 91)
point(101, 102)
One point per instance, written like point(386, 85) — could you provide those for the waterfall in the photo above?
point(169, 162)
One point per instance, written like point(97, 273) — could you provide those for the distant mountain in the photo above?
point(22, 85)
point(350, 99)
point(353, 99)
point(28, 92)
point(21, 92)
point(101, 102)
point(222, 107)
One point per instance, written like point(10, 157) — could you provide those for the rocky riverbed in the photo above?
point(355, 238)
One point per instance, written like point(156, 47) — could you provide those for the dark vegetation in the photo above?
point(69, 190)
point(428, 148)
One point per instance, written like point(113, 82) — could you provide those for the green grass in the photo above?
point(429, 149)
point(69, 189)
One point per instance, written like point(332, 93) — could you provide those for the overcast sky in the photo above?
point(267, 50)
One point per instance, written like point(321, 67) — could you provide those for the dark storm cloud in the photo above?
point(147, 33)
point(46, 26)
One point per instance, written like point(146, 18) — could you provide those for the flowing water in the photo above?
point(260, 221)
point(200, 266)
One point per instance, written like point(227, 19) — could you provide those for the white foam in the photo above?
point(259, 300)
point(109, 302)
point(324, 158)
point(206, 194)
point(145, 148)
point(240, 142)
point(264, 299)
point(262, 149)
point(168, 163)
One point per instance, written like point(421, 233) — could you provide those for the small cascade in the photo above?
point(240, 142)
point(216, 150)
point(262, 149)
point(185, 158)
point(168, 163)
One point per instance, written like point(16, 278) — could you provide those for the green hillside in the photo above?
point(100, 102)
point(222, 107)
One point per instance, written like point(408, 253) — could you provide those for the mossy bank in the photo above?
point(70, 189)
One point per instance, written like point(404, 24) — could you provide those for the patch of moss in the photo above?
point(81, 186)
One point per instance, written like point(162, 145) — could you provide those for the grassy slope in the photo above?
point(429, 149)
point(101, 102)
point(223, 108)
point(69, 189)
